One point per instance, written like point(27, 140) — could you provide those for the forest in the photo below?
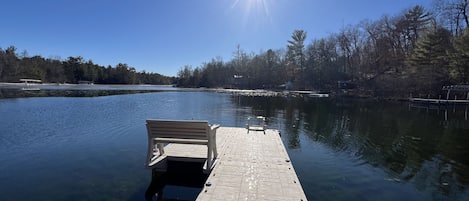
point(416, 51)
point(14, 66)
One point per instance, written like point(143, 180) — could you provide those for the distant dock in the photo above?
point(437, 101)
point(432, 102)
point(250, 166)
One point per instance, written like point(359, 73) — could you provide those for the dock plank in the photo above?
point(252, 166)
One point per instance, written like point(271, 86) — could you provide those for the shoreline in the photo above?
point(68, 89)
point(70, 84)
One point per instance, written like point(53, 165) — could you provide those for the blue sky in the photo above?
point(162, 36)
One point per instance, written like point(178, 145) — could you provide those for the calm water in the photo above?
point(61, 148)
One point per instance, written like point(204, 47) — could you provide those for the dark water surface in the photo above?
point(94, 148)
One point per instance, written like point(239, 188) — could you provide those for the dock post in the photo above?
point(428, 102)
point(467, 105)
point(465, 114)
point(454, 104)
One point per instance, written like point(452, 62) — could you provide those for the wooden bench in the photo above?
point(162, 132)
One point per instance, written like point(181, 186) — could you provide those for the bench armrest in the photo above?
point(214, 127)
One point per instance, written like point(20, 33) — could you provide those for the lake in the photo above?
point(94, 148)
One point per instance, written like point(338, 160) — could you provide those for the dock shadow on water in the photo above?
point(182, 181)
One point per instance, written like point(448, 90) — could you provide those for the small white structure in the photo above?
point(30, 80)
point(28, 83)
point(260, 126)
point(314, 95)
point(162, 132)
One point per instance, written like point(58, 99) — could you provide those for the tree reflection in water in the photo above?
point(411, 146)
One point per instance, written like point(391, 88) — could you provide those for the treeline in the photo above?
point(14, 66)
point(416, 51)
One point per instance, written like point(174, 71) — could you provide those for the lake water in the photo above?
point(94, 148)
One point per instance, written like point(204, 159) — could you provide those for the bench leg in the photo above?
point(214, 147)
point(209, 156)
point(160, 148)
point(152, 149)
point(149, 151)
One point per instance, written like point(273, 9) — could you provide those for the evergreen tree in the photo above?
point(295, 54)
point(460, 59)
point(430, 61)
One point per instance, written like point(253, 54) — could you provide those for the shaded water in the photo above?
point(94, 148)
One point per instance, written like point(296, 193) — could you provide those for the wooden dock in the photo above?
point(437, 101)
point(250, 166)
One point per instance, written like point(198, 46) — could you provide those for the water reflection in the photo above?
point(183, 181)
point(425, 150)
point(94, 148)
point(454, 110)
point(18, 93)
point(74, 90)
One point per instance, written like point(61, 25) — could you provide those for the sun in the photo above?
point(253, 10)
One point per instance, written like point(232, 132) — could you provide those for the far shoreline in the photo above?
point(19, 90)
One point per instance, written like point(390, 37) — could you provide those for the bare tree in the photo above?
point(453, 14)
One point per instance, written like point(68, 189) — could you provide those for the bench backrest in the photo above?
point(181, 129)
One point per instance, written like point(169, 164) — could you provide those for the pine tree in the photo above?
point(430, 61)
point(460, 59)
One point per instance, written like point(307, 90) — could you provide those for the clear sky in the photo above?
point(162, 36)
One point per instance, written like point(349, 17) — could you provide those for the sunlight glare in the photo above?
point(253, 10)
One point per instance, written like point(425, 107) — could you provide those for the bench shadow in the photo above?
point(181, 181)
